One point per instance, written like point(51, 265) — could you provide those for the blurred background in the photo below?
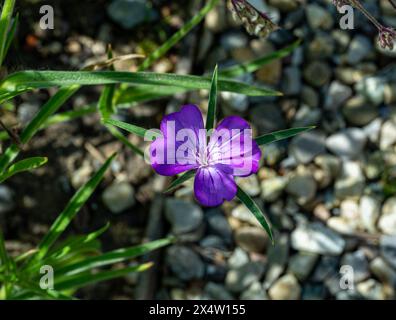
point(330, 193)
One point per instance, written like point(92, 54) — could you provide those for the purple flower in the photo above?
point(228, 152)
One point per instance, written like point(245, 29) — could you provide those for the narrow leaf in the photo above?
point(113, 257)
point(280, 135)
point(183, 178)
point(5, 20)
point(23, 165)
point(117, 134)
point(254, 65)
point(252, 206)
point(211, 118)
point(131, 128)
point(79, 281)
point(28, 80)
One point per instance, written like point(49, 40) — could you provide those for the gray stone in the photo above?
point(371, 290)
point(358, 261)
point(277, 259)
point(241, 278)
point(217, 292)
point(267, 118)
point(388, 249)
point(249, 184)
point(359, 49)
point(119, 196)
point(234, 40)
point(348, 143)
point(302, 186)
point(302, 264)
point(387, 221)
point(130, 13)
point(272, 188)
point(316, 238)
point(337, 94)
point(286, 288)
point(184, 263)
point(251, 239)
point(238, 258)
point(6, 199)
point(219, 225)
point(319, 17)
point(351, 181)
point(372, 88)
point(317, 73)
point(291, 81)
point(381, 269)
point(358, 111)
point(388, 134)
point(183, 216)
point(327, 268)
point(369, 212)
point(254, 292)
point(306, 146)
point(307, 116)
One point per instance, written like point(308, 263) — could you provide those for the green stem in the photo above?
point(5, 19)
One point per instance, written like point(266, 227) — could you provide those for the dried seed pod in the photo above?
point(255, 22)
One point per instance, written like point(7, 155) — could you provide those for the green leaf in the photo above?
point(183, 178)
point(211, 118)
point(81, 280)
point(252, 206)
point(28, 80)
point(117, 134)
point(281, 135)
point(4, 258)
point(23, 165)
point(112, 257)
point(131, 128)
point(160, 52)
point(48, 109)
point(5, 20)
point(106, 100)
point(11, 34)
point(254, 65)
point(72, 208)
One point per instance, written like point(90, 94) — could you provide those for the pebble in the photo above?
point(250, 185)
point(381, 269)
point(358, 112)
point(277, 259)
point(351, 181)
point(185, 263)
point(219, 225)
point(326, 268)
point(6, 199)
point(358, 261)
point(388, 134)
point(371, 289)
point(359, 49)
point(267, 118)
point(272, 188)
point(286, 288)
point(254, 292)
point(241, 278)
point(336, 95)
point(307, 116)
point(291, 81)
point(317, 73)
point(238, 258)
point(316, 238)
point(388, 249)
point(387, 221)
point(319, 17)
point(348, 143)
point(119, 196)
point(217, 292)
point(369, 212)
point(302, 264)
point(372, 88)
point(251, 239)
point(242, 213)
point(183, 216)
point(302, 186)
point(130, 13)
point(306, 146)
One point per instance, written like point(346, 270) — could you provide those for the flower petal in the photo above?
point(170, 155)
point(213, 186)
point(232, 145)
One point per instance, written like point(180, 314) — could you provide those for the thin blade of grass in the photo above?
point(106, 104)
point(22, 166)
point(72, 208)
point(5, 20)
point(48, 109)
point(253, 207)
point(131, 128)
point(117, 134)
point(183, 178)
point(112, 257)
point(254, 65)
point(28, 80)
point(11, 34)
point(280, 135)
point(211, 117)
point(79, 281)
point(161, 51)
